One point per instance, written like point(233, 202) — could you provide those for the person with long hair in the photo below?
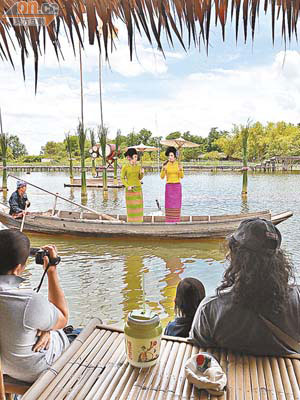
point(189, 294)
point(173, 171)
point(257, 295)
point(131, 176)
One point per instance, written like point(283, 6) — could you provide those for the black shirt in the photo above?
point(17, 203)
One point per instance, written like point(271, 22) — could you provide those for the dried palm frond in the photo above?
point(151, 17)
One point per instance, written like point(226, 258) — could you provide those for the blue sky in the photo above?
point(186, 91)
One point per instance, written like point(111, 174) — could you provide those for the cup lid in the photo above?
point(143, 317)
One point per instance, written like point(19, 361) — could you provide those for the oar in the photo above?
point(23, 219)
point(104, 216)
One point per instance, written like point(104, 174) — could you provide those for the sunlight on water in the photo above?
point(103, 278)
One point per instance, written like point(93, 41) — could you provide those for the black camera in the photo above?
point(40, 254)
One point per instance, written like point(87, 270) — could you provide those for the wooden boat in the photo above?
point(91, 224)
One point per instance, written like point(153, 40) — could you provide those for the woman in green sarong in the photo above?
point(131, 176)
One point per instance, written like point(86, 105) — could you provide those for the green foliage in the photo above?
point(213, 155)
point(212, 138)
point(18, 149)
point(274, 139)
point(173, 135)
point(31, 159)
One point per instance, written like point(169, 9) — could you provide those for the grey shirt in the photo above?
point(219, 322)
point(22, 313)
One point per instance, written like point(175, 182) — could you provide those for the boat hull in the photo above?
point(211, 228)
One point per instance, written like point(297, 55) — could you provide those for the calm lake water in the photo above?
point(103, 278)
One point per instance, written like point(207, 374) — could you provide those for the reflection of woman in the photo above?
point(173, 195)
point(131, 176)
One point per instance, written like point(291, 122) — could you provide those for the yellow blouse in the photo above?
point(131, 175)
point(174, 174)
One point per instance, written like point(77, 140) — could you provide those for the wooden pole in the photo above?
point(245, 135)
point(83, 172)
point(4, 145)
point(104, 216)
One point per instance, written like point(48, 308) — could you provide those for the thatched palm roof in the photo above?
point(154, 18)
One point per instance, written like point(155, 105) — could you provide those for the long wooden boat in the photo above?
point(89, 224)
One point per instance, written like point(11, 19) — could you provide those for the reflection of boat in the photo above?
point(89, 224)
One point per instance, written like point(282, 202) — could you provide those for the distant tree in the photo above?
point(213, 136)
point(132, 139)
point(173, 135)
point(73, 144)
point(144, 136)
point(18, 149)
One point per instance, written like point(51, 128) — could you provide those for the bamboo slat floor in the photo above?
point(95, 367)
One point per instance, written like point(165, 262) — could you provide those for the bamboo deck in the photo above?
point(95, 367)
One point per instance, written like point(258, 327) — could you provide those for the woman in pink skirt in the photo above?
point(173, 194)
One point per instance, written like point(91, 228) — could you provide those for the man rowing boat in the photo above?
point(19, 201)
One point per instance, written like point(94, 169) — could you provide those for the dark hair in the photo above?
point(14, 249)
point(130, 152)
point(171, 150)
point(189, 294)
point(259, 281)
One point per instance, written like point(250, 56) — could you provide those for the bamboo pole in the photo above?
point(116, 157)
point(4, 146)
point(261, 379)
point(277, 378)
point(93, 143)
point(292, 377)
point(61, 365)
point(167, 376)
point(109, 382)
point(69, 149)
point(77, 378)
point(269, 380)
point(159, 372)
point(231, 383)
point(296, 365)
point(106, 367)
point(177, 368)
point(104, 216)
point(2, 389)
point(247, 378)
point(181, 378)
point(285, 379)
point(81, 133)
point(151, 373)
point(254, 378)
point(57, 386)
point(245, 135)
point(239, 376)
point(188, 387)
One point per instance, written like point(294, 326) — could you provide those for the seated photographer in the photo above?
point(18, 201)
point(257, 307)
point(31, 336)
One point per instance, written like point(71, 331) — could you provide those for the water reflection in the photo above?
point(103, 277)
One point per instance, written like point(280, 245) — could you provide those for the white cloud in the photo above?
point(196, 102)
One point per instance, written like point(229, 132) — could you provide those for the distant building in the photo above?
point(46, 160)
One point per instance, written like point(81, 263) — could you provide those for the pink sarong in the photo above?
point(173, 199)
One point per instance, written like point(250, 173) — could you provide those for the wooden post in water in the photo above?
point(93, 142)
point(245, 135)
point(3, 147)
point(102, 138)
point(69, 148)
point(82, 135)
point(116, 157)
